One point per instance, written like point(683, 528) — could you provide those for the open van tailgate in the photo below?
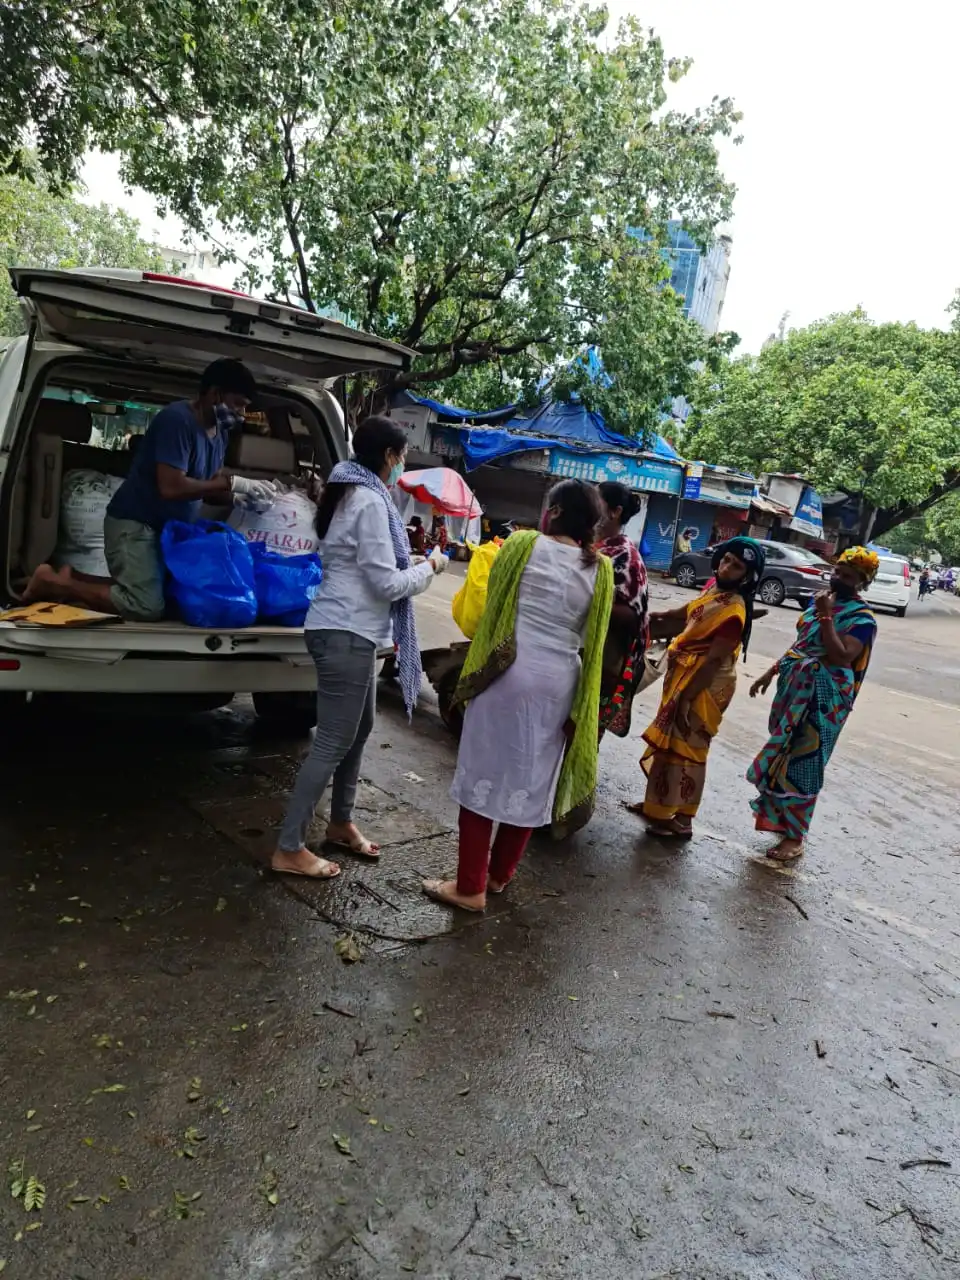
point(166, 320)
point(113, 643)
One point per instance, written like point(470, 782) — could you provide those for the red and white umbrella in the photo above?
point(443, 489)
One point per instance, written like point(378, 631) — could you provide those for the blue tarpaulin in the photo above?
point(573, 425)
point(453, 414)
point(485, 444)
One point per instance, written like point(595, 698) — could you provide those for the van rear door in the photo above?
point(165, 320)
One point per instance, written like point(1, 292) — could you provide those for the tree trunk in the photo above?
point(369, 394)
point(868, 520)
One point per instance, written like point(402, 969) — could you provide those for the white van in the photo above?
point(891, 586)
point(128, 338)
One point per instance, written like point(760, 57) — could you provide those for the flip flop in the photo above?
point(784, 860)
point(432, 889)
point(307, 875)
point(364, 849)
point(668, 833)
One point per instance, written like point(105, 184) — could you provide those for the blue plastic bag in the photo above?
point(211, 572)
point(285, 585)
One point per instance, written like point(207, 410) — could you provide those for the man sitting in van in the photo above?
point(177, 467)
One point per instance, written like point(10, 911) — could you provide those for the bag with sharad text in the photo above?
point(288, 526)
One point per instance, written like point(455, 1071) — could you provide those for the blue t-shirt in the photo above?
point(176, 438)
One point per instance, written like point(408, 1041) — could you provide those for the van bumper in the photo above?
point(28, 673)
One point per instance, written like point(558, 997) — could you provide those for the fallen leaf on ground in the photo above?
point(348, 949)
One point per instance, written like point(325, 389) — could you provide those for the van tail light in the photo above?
point(906, 573)
point(9, 664)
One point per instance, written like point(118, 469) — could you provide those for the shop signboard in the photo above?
point(692, 482)
point(809, 514)
point(652, 475)
point(725, 489)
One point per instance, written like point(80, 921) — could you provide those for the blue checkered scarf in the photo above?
point(401, 611)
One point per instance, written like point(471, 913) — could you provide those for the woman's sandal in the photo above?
point(362, 848)
point(434, 890)
point(324, 870)
point(776, 854)
point(670, 831)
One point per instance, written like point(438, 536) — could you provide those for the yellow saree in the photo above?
point(675, 760)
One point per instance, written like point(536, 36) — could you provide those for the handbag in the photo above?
point(654, 665)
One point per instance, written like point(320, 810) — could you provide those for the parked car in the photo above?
point(891, 586)
point(791, 573)
point(103, 339)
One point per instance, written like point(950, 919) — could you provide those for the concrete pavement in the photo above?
point(646, 1062)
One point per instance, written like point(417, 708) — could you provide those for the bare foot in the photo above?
point(445, 891)
point(304, 863)
point(786, 850)
point(636, 809)
point(348, 836)
point(47, 583)
point(494, 886)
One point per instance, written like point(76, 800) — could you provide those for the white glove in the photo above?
point(438, 560)
point(258, 495)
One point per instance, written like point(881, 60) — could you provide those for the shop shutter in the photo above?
point(660, 531)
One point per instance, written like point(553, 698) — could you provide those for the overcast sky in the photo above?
point(848, 174)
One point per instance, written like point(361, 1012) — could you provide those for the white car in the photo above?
point(891, 586)
point(133, 339)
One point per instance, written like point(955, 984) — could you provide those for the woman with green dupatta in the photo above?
point(528, 751)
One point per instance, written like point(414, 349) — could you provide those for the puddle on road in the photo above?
point(382, 900)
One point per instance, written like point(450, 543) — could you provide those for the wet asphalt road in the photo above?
point(647, 1062)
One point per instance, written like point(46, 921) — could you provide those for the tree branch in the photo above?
point(889, 517)
point(289, 214)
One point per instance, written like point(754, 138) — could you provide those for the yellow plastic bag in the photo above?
point(468, 603)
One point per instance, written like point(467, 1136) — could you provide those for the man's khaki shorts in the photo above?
point(132, 551)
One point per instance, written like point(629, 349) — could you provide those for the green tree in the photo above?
point(937, 530)
point(871, 410)
point(647, 347)
point(458, 177)
point(41, 229)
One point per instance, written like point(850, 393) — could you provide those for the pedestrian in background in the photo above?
point(362, 604)
point(528, 751)
point(701, 678)
point(627, 636)
point(818, 680)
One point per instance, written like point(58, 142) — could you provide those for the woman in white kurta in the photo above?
point(515, 731)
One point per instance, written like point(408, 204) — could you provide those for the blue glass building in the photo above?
point(699, 278)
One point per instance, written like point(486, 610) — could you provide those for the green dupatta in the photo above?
point(494, 649)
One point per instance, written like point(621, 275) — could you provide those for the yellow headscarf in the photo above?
point(864, 561)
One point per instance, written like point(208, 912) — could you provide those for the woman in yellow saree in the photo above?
point(708, 635)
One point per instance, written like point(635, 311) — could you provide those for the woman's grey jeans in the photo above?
point(346, 708)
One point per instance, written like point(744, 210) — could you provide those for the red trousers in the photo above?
point(478, 860)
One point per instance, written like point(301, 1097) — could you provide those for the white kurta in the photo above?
point(512, 744)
